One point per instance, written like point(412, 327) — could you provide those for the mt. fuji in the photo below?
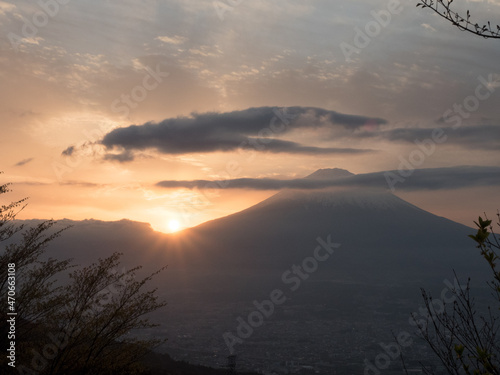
point(383, 238)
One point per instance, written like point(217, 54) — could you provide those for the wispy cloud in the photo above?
point(484, 137)
point(122, 158)
point(176, 39)
point(421, 179)
point(68, 151)
point(6, 8)
point(23, 162)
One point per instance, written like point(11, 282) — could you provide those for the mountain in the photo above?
point(383, 238)
point(338, 307)
point(329, 174)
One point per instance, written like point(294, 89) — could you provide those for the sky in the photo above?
point(174, 112)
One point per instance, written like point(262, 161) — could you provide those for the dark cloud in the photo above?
point(63, 183)
point(23, 162)
point(418, 179)
point(32, 183)
point(122, 158)
point(255, 128)
point(471, 136)
point(69, 151)
point(81, 184)
point(249, 183)
point(296, 148)
point(450, 178)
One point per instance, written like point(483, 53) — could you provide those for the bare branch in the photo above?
point(444, 10)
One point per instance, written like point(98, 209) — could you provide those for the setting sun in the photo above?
point(174, 225)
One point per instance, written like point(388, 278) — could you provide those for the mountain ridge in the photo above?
point(382, 234)
point(329, 174)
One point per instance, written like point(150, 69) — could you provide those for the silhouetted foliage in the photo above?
point(444, 9)
point(80, 326)
point(467, 342)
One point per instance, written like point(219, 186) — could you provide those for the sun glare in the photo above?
point(174, 225)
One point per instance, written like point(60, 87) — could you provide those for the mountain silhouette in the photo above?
point(383, 238)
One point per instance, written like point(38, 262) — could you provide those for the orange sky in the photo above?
point(87, 70)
